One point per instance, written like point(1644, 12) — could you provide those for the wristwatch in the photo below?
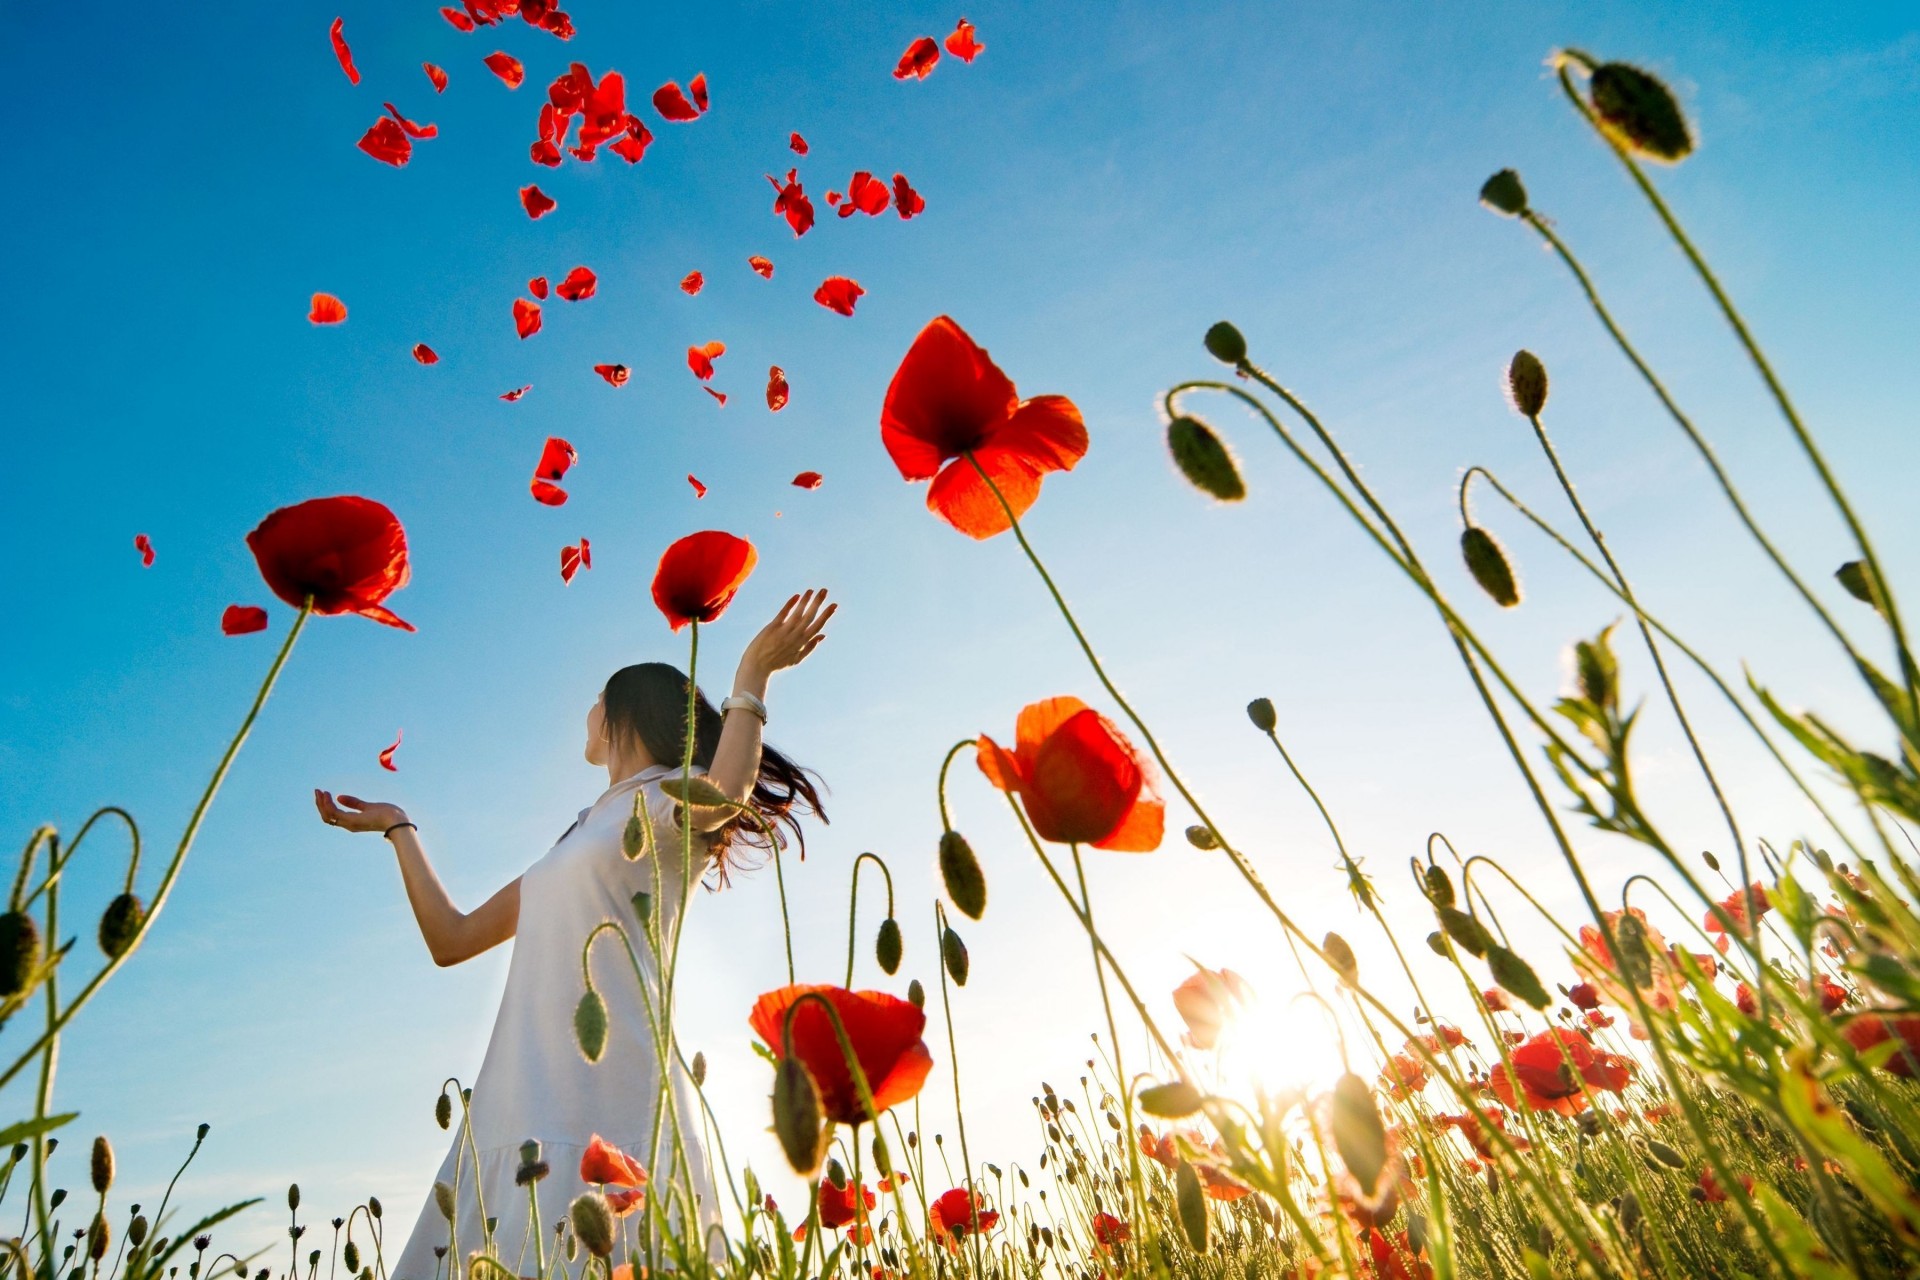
point(745, 702)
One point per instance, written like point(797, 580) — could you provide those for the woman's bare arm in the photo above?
point(451, 935)
point(795, 632)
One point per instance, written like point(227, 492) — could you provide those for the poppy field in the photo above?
point(1711, 1070)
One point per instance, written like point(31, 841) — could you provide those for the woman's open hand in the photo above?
point(350, 813)
point(795, 632)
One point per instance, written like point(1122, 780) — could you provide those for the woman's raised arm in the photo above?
point(451, 935)
point(795, 632)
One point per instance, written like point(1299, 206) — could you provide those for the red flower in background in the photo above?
point(838, 293)
point(574, 559)
point(243, 619)
point(1867, 1030)
point(700, 359)
point(884, 1032)
point(1209, 1000)
point(1709, 1190)
point(337, 33)
point(1109, 1231)
point(579, 285)
point(906, 200)
point(790, 202)
point(617, 1174)
point(956, 1214)
point(536, 202)
point(1403, 1076)
point(1583, 996)
point(425, 354)
point(526, 317)
point(1549, 1068)
point(950, 407)
point(917, 62)
point(1080, 779)
point(777, 389)
point(436, 75)
point(963, 44)
point(386, 756)
point(144, 545)
point(1731, 913)
point(348, 553)
point(326, 309)
point(840, 1205)
point(1395, 1258)
point(507, 67)
point(763, 267)
point(699, 575)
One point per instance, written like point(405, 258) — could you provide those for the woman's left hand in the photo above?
point(795, 632)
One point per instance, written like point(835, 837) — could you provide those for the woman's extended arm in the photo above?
point(794, 633)
point(452, 935)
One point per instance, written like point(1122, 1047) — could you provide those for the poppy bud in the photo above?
point(58, 1197)
point(443, 1111)
point(443, 1200)
point(1358, 1134)
point(120, 924)
point(1527, 384)
point(373, 1207)
point(590, 1025)
point(1416, 1232)
point(593, 1223)
point(1439, 886)
point(293, 1197)
point(1634, 956)
point(1174, 1100)
point(954, 953)
point(1517, 977)
point(200, 1135)
point(1260, 711)
point(916, 994)
point(137, 1230)
point(887, 946)
point(643, 906)
point(1504, 193)
point(1202, 837)
point(1465, 930)
point(1713, 863)
point(1858, 581)
point(1640, 112)
point(19, 1152)
point(1204, 459)
point(19, 951)
point(99, 1236)
point(1665, 1154)
point(1597, 670)
point(101, 1166)
point(1341, 957)
point(796, 1116)
point(1629, 1210)
point(1190, 1198)
point(960, 870)
point(1437, 943)
point(1225, 344)
point(1487, 562)
point(351, 1256)
point(696, 791)
point(633, 840)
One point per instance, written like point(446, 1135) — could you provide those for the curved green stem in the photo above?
point(853, 907)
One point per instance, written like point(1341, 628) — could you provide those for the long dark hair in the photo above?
point(647, 702)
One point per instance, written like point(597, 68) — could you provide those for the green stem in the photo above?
point(853, 908)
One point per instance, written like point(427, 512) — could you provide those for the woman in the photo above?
point(534, 1082)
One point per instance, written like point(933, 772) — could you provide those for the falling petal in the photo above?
point(338, 34)
point(536, 201)
point(798, 143)
point(807, 480)
point(327, 309)
point(436, 75)
point(243, 619)
point(672, 104)
point(721, 396)
point(408, 127)
point(516, 393)
point(693, 283)
point(791, 203)
point(837, 293)
point(963, 44)
point(573, 559)
point(386, 757)
point(507, 67)
point(578, 286)
point(632, 145)
point(864, 194)
point(425, 354)
point(762, 266)
point(698, 88)
point(526, 317)
point(144, 545)
point(537, 286)
point(615, 374)
point(777, 389)
point(556, 457)
point(917, 62)
point(458, 20)
point(905, 199)
point(700, 359)
point(387, 142)
point(699, 490)
point(548, 494)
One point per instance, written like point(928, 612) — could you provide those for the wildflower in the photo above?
point(1583, 996)
point(1495, 999)
point(841, 1204)
point(1395, 1258)
point(618, 1175)
point(1403, 1076)
point(347, 553)
point(1209, 1000)
point(1109, 1230)
point(1709, 1190)
point(1730, 913)
point(1474, 1128)
point(885, 1033)
point(1868, 1030)
point(958, 1213)
point(1833, 996)
point(1599, 1019)
point(950, 410)
point(1547, 1071)
point(1079, 779)
point(699, 575)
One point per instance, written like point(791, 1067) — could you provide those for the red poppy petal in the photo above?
point(387, 142)
point(547, 494)
point(436, 75)
point(526, 317)
point(699, 490)
point(1046, 432)
point(408, 127)
point(386, 757)
point(790, 202)
point(243, 619)
point(579, 285)
point(632, 145)
point(1003, 770)
point(537, 286)
point(698, 88)
point(942, 401)
point(700, 359)
point(798, 143)
point(1141, 831)
point(762, 266)
point(693, 283)
point(516, 393)
point(962, 44)
point(507, 67)
point(326, 309)
point(340, 50)
point(721, 396)
point(838, 293)
point(867, 194)
point(385, 617)
point(904, 1082)
point(572, 560)
point(778, 391)
point(458, 20)
point(905, 199)
point(425, 354)
point(1038, 721)
point(917, 62)
point(615, 374)
point(1084, 781)
point(807, 480)
point(672, 104)
point(960, 497)
point(556, 458)
point(144, 545)
point(536, 202)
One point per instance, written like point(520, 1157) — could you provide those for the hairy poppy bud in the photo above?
point(293, 1197)
point(1204, 459)
point(137, 1230)
point(1341, 957)
point(101, 1165)
point(1202, 837)
point(1633, 954)
point(1190, 1198)
point(1358, 1134)
point(1437, 943)
point(1527, 384)
point(1665, 1154)
point(593, 1223)
point(19, 1153)
point(1174, 1100)
point(1640, 112)
point(1504, 193)
point(633, 840)
point(373, 1207)
point(887, 945)
point(99, 1236)
point(1517, 977)
point(1487, 562)
point(443, 1111)
point(120, 924)
point(443, 1200)
point(19, 951)
point(1260, 711)
point(953, 953)
point(1857, 578)
point(1629, 1210)
point(590, 1025)
point(1597, 670)
point(1465, 930)
point(696, 791)
point(1225, 344)
point(796, 1116)
point(1439, 886)
point(916, 994)
point(351, 1256)
point(1713, 863)
point(960, 871)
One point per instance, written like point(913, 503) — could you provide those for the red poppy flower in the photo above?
point(1583, 996)
point(798, 143)
point(243, 619)
point(425, 354)
point(949, 407)
point(536, 202)
point(790, 202)
point(962, 44)
point(615, 374)
point(386, 756)
point(1208, 1001)
point(326, 309)
point(840, 1205)
point(579, 285)
point(721, 396)
point(1865, 1031)
point(1395, 1258)
point(917, 62)
point(617, 1174)
point(1599, 1019)
point(436, 75)
point(1403, 1076)
point(1080, 779)
point(1109, 1231)
point(837, 293)
point(1474, 1130)
point(507, 67)
point(1495, 999)
point(905, 199)
point(672, 104)
point(516, 393)
point(1833, 996)
point(956, 1214)
point(866, 194)
point(692, 283)
point(884, 1031)
point(777, 389)
point(762, 267)
point(387, 142)
point(1547, 1071)
point(348, 553)
point(337, 33)
point(1732, 909)
point(144, 545)
point(700, 359)
point(699, 490)
point(408, 127)
point(1709, 1190)
point(807, 480)
point(457, 20)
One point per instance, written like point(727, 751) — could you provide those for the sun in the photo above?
point(1270, 1046)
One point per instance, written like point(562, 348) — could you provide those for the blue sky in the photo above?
point(1101, 185)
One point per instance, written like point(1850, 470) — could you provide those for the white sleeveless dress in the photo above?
point(534, 1081)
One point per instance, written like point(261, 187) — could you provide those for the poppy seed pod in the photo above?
point(593, 1222)
point(797, 1120)
point(1341, 957)
point(1202, 837)
point(1517, 977)
point(1260, 711)
point(1504, 193)
point(960, 870)
point(443, 1111)
point(293, 1197)
point(120, 924)
point(19, 951)
point(916, 994)
point(1203, 458)
point(1358, 1134)
point(1190, 1198)
point(953, 953)
point(1225, 344)
point(351, 1256)
point(1487, 562)
point(887, 945)
point(1640, 112)
point(1439, 886)
point(101, 1166)
point(590, 1025)
point(137, 1230)
point(1527, 384)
